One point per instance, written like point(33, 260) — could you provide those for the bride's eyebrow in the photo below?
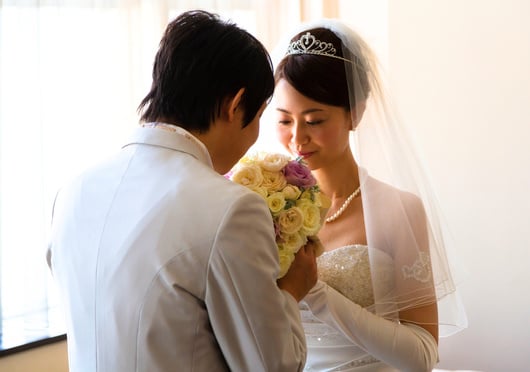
point(308, 111)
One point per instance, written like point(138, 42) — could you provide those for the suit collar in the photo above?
point(178, 140)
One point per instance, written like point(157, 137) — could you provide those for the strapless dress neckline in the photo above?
point(347, 270)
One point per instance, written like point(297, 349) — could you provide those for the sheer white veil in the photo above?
point(402, 219)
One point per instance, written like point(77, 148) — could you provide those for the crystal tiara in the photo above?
point(309, 44)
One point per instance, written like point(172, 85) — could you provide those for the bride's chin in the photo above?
point(311, 164)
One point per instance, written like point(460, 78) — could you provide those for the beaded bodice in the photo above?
point(347, 270)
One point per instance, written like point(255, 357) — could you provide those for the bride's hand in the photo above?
point(302, 274)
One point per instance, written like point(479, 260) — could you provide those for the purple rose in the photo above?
point(298, 174)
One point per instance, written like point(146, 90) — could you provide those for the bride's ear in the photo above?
point(232, 104)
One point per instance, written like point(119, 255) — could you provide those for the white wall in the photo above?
point(461, 72)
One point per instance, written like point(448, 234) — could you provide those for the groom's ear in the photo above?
point(231, 106)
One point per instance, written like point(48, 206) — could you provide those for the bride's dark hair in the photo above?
point(320, 78)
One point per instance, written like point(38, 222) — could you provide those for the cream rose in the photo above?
point(273, 162)
point(249, 175)
point(276, 202)
point(311, 213)
point(307, 194)
point(286, 259)
point(291, 192)
point(292, 242)
point(273, 181)
point(290, 220)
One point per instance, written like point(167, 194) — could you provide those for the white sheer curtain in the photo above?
point(71, 76)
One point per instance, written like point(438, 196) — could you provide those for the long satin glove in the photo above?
point(404, 346)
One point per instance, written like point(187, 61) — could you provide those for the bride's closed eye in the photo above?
point(314, 122)
point(283, 120)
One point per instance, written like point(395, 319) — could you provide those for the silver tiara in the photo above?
point(309, 44)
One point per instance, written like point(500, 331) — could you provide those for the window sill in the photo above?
point(31, 345)
point(30, 331)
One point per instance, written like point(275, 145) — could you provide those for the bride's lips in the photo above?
point(304, 155)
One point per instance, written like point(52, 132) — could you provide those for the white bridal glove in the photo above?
point(404, 346)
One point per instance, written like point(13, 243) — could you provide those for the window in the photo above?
point(67, 95)
point(72, 75)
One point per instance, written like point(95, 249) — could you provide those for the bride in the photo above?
point(385, 273)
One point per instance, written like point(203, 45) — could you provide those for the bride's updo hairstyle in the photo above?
point(323, 78)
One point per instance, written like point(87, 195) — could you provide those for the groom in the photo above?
point(162, 263)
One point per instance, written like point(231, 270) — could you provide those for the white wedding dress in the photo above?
point(346, 269)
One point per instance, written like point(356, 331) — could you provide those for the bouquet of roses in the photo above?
point(296, 204)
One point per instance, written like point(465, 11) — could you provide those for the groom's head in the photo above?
point(201, 62)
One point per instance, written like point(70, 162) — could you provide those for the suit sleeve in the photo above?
point(256, 324)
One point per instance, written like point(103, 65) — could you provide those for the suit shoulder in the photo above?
point(225, 191)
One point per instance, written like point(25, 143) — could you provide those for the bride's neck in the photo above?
point(338, 179)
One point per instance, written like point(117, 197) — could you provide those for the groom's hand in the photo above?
point(302, 274)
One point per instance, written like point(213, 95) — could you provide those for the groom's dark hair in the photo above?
point(202, 61)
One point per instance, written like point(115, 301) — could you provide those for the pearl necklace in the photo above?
point(347, 202)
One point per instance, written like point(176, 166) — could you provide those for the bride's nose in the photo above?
point(299, 135)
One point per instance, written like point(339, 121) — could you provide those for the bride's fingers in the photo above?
point(307, 249)
point(310, 248)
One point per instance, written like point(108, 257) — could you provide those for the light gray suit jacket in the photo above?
point(165, 265)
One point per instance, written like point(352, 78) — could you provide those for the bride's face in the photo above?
point(317, 132)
